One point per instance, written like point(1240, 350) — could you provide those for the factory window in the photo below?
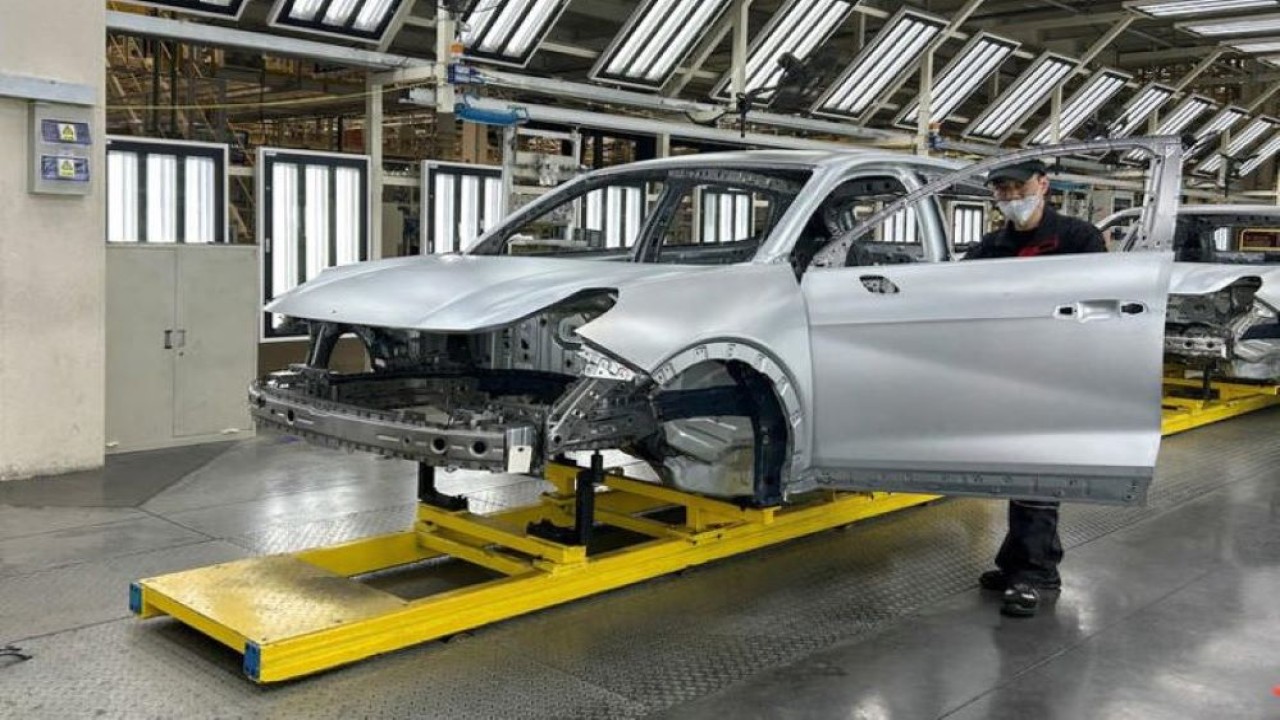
point(166, 192)
point(314, 216)
point(614, 215)
point(462, 202)
point(902, 228)
point(717, 224)
point(967, 224)
point(601, 221)
point(1222, 239)
point(725, 216)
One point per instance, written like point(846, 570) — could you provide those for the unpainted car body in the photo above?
point(769, 371)
point(1225, 289)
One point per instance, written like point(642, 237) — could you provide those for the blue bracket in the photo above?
point(252, 660)
point(135, 598)
point(504, 118)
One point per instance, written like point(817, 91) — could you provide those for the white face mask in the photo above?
point(1021, 210)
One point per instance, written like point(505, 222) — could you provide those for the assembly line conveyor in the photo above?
point(300, 613)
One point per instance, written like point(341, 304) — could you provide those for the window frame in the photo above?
point(433, 169)
point(267, 158)
point(180, 149)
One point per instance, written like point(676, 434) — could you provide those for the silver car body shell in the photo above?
point(1254, 359)
point(913, 413)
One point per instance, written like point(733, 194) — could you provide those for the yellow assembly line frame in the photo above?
point(297, 614)
point(301, 613)
point(1226, 400)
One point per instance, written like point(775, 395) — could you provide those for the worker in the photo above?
point(1027, 563)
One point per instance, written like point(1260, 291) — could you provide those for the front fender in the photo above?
point(752, 313)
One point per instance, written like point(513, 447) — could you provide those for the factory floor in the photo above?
point(1169, 611)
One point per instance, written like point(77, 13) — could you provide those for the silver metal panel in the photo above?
point(1203, 278)
point(756, 316)
point(457, 293)
point(973, 367)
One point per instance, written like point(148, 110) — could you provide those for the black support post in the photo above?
point(584, 509)
point(429, 495)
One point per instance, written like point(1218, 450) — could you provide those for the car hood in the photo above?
point(457, 293)
point(1204, 278)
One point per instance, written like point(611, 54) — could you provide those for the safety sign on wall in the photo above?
point(62, 148)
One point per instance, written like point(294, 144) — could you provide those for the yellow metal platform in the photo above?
point(297, 614)
point(293, 615)
point(1188, 403)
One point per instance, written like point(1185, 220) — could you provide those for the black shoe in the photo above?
point(998, 581)
point(994, 580)
point(1020, 600)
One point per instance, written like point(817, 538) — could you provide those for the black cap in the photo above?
point(1020, 172)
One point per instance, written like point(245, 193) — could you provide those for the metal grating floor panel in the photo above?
point(643, 649)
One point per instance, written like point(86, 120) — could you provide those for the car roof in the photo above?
point(827, 160)
point(1186, 209)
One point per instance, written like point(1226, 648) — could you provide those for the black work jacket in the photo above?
point(1057, 234)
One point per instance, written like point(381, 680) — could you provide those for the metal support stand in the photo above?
point(429, 495)
point(584, 509)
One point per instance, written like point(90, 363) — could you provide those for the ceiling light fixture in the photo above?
point(881, 62)
point(1148, 100)
point(1083, 104)
point(656, 39)
point(1185, 8)
point(981, 56)
point(363, 20)
point(1022, 98)
point(508, 33)
point(797, 29)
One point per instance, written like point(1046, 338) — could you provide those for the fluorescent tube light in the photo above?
point(657, 37)
point(1186, 8)
point(1082, 105)
point(1022, 98)
point(1246, 25)
point(797, 28)
point(1148, 100)
point(1240, 142)
point(214, 8)
point(508, 33)
point(363, 20)
point(981, 56)
point(1263, 154)
point(889, 54)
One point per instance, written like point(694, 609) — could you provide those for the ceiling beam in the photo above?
point(1057, 23)
point(217, 35)
point(1155, 57)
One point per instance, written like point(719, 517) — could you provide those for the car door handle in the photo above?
point(878, 284)
point(168, 339)
point(1087, 310)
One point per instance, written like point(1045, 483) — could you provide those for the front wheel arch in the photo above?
point(778, 419)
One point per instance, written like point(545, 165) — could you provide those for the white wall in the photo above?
point(52, 257)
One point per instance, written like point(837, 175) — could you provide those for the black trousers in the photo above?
point(1031, 550)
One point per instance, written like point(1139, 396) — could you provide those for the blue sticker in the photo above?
point(64, 168)
point(135, 598)
point(252, 660)
point(62, 132)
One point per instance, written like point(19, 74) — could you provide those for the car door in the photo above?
point(1032, 378)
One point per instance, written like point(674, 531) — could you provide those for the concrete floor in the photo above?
point(1169, 611)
